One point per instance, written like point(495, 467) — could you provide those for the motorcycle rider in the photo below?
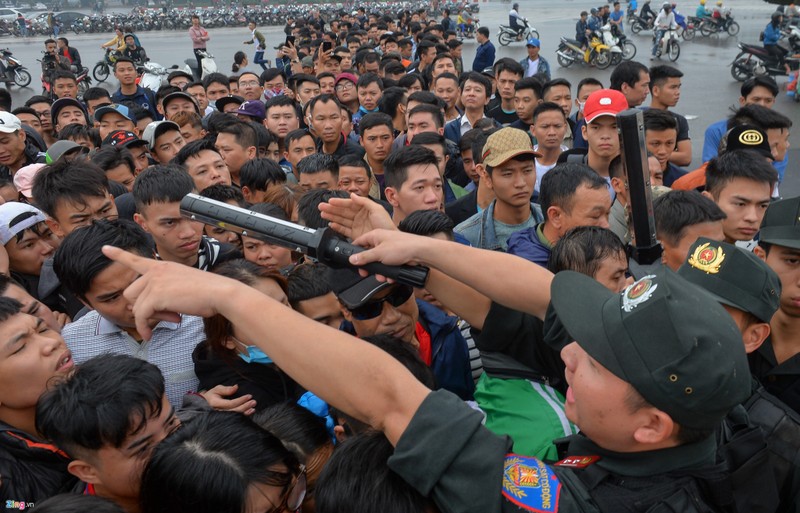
point(718, 14)
point(582, 29)
point(772, 33)
point(52, 61)
point(647, 12)
point(118, 43)
point(133, 52)
point(595, 22)
point(664, 21)
point(515, 21)
point(72, 54)
point(702, 10)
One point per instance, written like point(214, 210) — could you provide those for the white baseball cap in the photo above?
point(9, 123)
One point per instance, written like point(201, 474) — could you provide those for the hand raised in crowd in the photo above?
point(355, 216)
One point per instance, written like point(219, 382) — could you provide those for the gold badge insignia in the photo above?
point(751, 137)
point(707, 258)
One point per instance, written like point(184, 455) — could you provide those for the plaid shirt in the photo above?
point(170, 348)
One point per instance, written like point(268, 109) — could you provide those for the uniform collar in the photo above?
point(646, 463)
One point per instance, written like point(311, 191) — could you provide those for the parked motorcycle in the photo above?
point(15, 72)
point(507, 35)
point(669, 45)
point(756, 61)
point(622, 48)
point(208, 64)
point(152, 75)
point(597, 54)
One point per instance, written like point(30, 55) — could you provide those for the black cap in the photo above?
point(748, 137)
point(734, 276)
point(781, 223)
point(123, 139)
point(353, 290)
point(220, 103)
point(668, 338)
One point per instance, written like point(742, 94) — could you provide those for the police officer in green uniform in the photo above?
point(777, 362)
point(750, 291)
point(653, 371)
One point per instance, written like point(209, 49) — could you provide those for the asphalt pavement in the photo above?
point(708, 91)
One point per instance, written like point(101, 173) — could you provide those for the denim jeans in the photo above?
point(259, 59)
point(658, 36)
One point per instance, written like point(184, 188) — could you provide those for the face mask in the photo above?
point(580, 107)
point(253, 353)
point(271, 93)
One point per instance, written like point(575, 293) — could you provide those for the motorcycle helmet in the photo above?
point(702, 2)
point(719, 2)
point(776, 17)
point(666, 6)
point(593, 11)
point(515, 6)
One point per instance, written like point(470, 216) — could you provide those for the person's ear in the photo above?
point(247, 193)
point(140, 220)
point(440, 130)
point(584, 132)
point(84, 471)
point(554, 216)
point(55, 227)
point(742, 101)
point(348, 316)
point(755, 335)
point(618, 184)
point(252, 152)
point(338, 432)
point(391, 196)
point(229, 343)
point(760, 253)
point(708, 195)
point(656, 427)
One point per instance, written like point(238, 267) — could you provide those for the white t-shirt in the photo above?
point(533, 67)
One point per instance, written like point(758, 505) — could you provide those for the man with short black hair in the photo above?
point(158, 191)
point(681, 217)
point(571, 195)
point(549, 127)
point(665, 91)
point(369, 90)
point(475, 93)
point(108, 431)
point(355, 176)
point(325, 117)
point(237, 144)
point(318, 171)
point(281, 117)
point(484, 54)
point(258, 176)
point(661, 134)
point(632, 79)
point(203, 163)
point(309, 292)
point(130, 91)
point(413, 182)
point(741, 183)
point(507, 73)
point(510, 170)
point(36, 356)
point(376, 137)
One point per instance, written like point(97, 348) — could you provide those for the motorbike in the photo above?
point(597, 54)
point(15, 72)
point(622, 48)
point(104, 67)
point(669, 45)
point(48, 71)
point(639, 24)
point(208, 64)
point(710, 26)
point(791, 39)
point(756, 61)
point(507, 35)
point(152, 75)
point(467, 30)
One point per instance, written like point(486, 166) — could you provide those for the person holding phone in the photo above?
point(257, 39)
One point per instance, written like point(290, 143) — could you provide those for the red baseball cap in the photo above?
point(605, 102)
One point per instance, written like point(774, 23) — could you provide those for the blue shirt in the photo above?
point(484, 57)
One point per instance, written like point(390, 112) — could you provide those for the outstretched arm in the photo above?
point(506, 279)
point(352, 375)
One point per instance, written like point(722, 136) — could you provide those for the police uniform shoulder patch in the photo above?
point(707, 258)
point(530, 484)
point(638, 293)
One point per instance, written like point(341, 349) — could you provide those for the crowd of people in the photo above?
point(153, 363)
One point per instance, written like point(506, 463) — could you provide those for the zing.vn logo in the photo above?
point(19, 505)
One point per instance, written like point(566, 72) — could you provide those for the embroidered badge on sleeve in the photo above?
point(530, 484)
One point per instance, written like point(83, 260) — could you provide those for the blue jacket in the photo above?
point(771, 34)
point(479, 229)
point(526, 244)
point(452, 130)
point(484, 57)
point(144, 98)
point(449, 353)
point(542, 73)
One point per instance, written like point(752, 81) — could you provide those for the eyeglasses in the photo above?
point(373, 309)
point(345, 86)
point(249, 83)
point(293, 494)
